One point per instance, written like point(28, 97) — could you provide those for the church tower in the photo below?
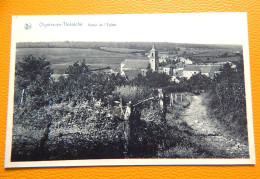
point(154, 59)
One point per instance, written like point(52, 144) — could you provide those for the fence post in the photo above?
point(171, 100)
point(127, 127)
point(162, 105)
point(160, 96)
point(22, 95)
point(121, 107)
point(163, 109)
point(176, 98)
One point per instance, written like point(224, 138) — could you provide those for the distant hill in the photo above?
point(103, 54)
point(162, 46)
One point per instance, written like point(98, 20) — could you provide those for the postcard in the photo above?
point(129, 89)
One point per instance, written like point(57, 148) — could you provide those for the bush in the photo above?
point(132, 93)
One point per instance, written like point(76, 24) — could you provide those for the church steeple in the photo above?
point(153, 47)
point(153, 56)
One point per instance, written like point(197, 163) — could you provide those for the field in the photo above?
point(61, 58)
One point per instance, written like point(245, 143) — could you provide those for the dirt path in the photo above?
point(196, 117)
point(209, 133)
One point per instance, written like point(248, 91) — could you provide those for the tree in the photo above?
point(155, 79)
point(32, 79)
point(140, 80)
point(228, 95)
point(77, 69)
point(82, 85)
point(199, 82)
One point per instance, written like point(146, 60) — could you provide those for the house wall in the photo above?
point(168, 71)
point(121, 67)
point(188, 74)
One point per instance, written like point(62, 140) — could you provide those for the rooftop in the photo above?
point(136, 63)
point(202, 68)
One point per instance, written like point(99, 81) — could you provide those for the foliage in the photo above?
point(71, 107)
point(196, 83)
point(81, 132)
point(199, 82)
point(147, 132)
point(29, 68)
point(228, 97)
point(132, 93)
point(33, 81)
point(82, 85)
point(229, 88)
point(152, 79)
point(155, 79)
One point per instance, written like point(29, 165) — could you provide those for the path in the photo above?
point(208, 130)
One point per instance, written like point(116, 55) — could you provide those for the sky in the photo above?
point(200, 28)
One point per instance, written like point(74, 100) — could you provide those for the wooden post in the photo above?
point(176, 98)
point(160, 96)
point(127, 127)
point(59, 120)
point(162, 105)
point(22, 95)
point(171, 100)
point(163, 110)
point(181, 97)
point(121, 107)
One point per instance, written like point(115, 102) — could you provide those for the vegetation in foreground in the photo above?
point(76, 117)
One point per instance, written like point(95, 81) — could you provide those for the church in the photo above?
point(130, 68)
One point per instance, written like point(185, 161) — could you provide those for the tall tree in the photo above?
point(32, 79)
point(155, 79)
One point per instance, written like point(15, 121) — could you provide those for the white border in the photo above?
point(228, 28)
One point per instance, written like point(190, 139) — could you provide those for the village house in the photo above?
point(177, 76)
point(163, 58)
point(208, 70)
point(130, 68)
point(178, 66)
point(168, 69)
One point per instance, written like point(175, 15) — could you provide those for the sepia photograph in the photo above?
point(152, 89)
